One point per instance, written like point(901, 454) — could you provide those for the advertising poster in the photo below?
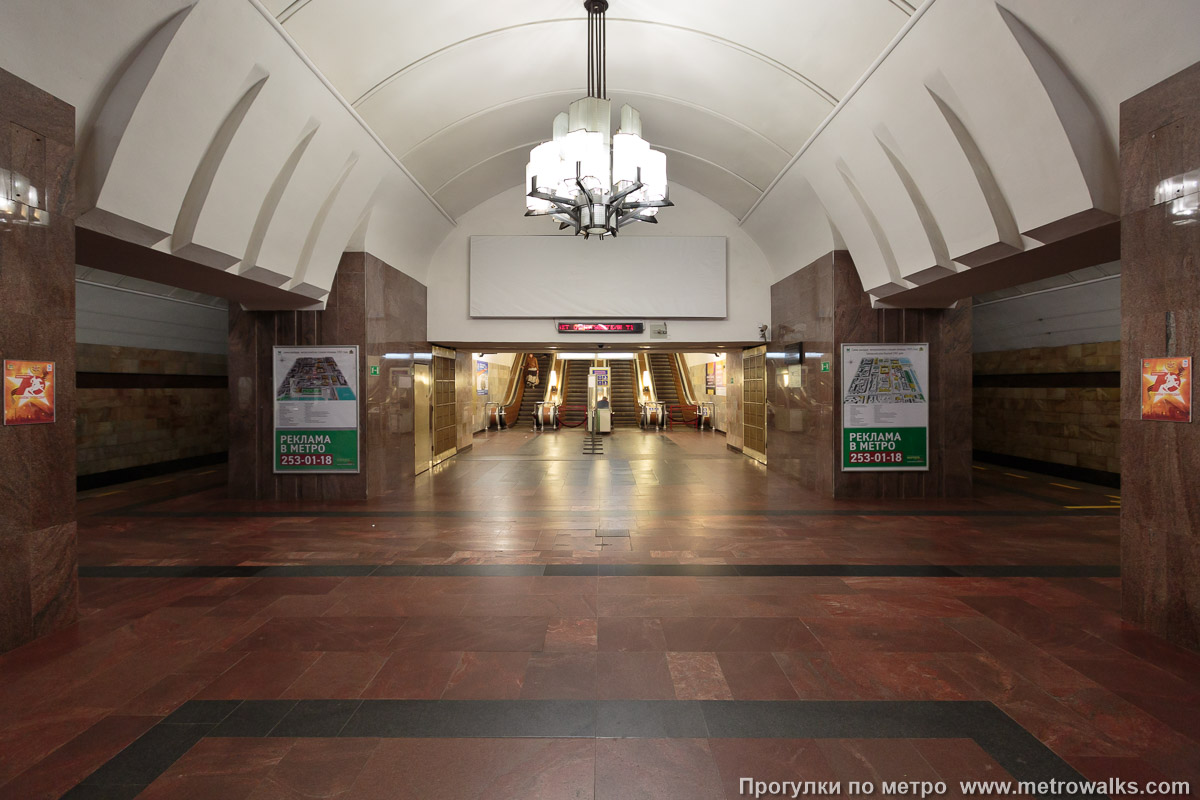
point(710, 377)
point(28, 392)
point(719, 376)
point(1167, 389)
point(481, 377)
point(885, 411)
point(316, 409)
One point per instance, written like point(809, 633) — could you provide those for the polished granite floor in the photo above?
point(527, 621)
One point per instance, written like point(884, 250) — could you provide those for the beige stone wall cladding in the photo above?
point(1079, 427)
point(107, 358)
point(131, 427)
point(1098, 357)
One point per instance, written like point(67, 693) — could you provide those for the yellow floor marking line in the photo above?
point(1065, 486)
point(1011, 475)
point(106, 494)
point(981, 469)
point(1078, 507)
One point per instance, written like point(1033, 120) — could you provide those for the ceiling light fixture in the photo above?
point(585, 178)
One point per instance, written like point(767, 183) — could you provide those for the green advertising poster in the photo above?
point(316, 409)
point(885, 408)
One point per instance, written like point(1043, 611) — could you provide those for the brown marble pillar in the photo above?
point(38, 587)
point(823, 306)
point(371, 305)
point(1160, 316)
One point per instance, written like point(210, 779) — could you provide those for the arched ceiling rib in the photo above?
point(455, 87)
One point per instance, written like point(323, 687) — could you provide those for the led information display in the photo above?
point(601, 327)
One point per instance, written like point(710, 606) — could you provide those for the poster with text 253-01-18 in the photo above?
point(885, 407)
point(316, 409)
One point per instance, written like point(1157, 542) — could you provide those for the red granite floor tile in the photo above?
point(301, 605)
point(413, 675)
point(220, 768)
point(630, 633)
point(497, 769)
point(261, 675)
point(958, 760)
point(26, 741)
point(888, 634)
point(387, 602)
point(576, 634)
point(815, 676)
point(876, 760)
point(755, 676)
point(320, 634)
point(317, 768)
point(718, 634)
point(1100, 768)
point(698, 676)
point(472, 634)
point(656, 769)
point(638, 605)
point(487, 676)
point(72, 762)
point(337, 676)
point(633, 676)
point(562, 676)
point(768, 760)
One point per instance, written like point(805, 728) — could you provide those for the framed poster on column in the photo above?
point(316, 409)
point(885, 407)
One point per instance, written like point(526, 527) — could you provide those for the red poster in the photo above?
point(1167, 389)
point(28, 392)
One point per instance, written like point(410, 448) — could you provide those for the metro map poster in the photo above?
point(885, 407)
point(316, 409)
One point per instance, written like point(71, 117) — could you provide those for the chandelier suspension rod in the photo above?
point(597, 48)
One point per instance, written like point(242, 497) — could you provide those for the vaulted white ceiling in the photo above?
point(460, 90)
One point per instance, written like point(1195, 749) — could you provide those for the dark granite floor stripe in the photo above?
point(1020, 753)
point(609, 570)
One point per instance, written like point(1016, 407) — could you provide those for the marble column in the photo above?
point(38, 586)
point(1160, 317)
point(823, 306)
point(371, 305)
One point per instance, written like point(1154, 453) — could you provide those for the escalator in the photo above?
point(522, 412)
point(623, 395)
point(573, 411)
point(663, 372)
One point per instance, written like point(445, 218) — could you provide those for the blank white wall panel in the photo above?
point(663, 277)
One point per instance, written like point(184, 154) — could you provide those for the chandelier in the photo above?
point(585, 178)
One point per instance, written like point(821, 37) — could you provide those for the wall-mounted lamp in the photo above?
point(785, 380)
point(20, 201)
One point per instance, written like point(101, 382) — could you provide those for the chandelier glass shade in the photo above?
point(585, 177)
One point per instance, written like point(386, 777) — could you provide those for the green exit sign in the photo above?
point(374, 369)
point(824, 366)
